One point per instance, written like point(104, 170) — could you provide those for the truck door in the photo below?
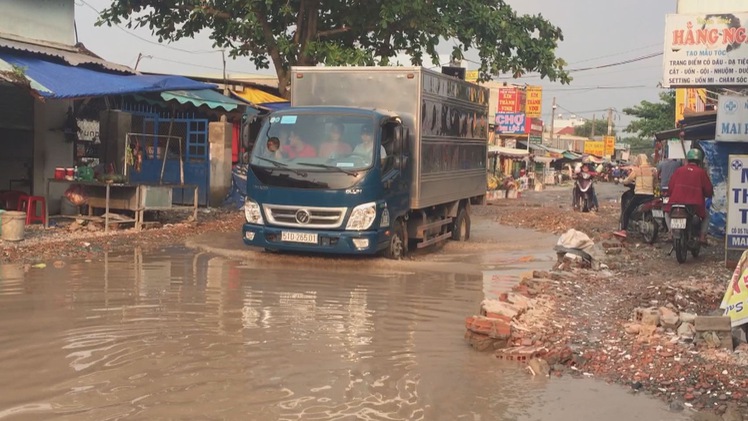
point(395, 168)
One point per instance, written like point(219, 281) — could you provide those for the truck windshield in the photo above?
point(317, 142)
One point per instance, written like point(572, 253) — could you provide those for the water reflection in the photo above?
point(173, 334)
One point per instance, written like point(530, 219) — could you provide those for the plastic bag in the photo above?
point(76, 194)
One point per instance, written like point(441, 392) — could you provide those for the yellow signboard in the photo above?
point(610, 145)
point(693, 99)
point(534, 101)
point(471, 75)
point(594, 147)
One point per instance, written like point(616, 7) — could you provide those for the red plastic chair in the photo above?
point(9, 199)
point(29, 204)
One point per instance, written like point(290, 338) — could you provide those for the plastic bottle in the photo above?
point(75, 172)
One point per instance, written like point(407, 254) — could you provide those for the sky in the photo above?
point(596, 33)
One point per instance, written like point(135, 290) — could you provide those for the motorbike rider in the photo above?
point(584, 168)
point(642, 175)
point(690, 185)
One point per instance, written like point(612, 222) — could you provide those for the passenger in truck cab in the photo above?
point(335, 146)
point(272, 148)
point(365, 149)
point(297, 148)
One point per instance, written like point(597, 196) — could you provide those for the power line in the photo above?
point(150, 41)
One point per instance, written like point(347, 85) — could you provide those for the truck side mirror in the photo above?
point(397, 140)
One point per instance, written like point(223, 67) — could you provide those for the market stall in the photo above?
point(133, 197)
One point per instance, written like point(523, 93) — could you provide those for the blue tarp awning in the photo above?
point(59, 81)
point(274, 106)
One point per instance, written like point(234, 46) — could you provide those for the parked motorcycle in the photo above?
point(642, 219)
point(583, 185)
point(685, 226)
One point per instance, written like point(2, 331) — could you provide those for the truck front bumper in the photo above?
point(335, 242)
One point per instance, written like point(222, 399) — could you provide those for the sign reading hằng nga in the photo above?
point(705, 49)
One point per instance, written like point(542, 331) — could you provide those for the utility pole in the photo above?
point(610, 121)
point(553, 118)
point(592, 134)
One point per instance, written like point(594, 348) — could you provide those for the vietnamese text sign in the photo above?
point(508, 100)
point(610, 145)
point(737, 203)
point(732, 119)
point(703, 49)
point(534, 101)
point(594, 147)
point(510, 123)
point(471, 75)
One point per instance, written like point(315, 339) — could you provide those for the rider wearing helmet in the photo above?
point(690, 185)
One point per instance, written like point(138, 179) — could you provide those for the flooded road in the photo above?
point(180, 334)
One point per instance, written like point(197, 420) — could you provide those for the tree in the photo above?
point(585, 130)
point(638, 145)
point(652, 117)
point(354, 32)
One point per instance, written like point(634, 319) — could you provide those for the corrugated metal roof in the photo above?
point(63, 81)
point(74, 56)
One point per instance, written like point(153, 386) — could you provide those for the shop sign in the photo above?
point(705, 50)
point(534, 101)
point(693, 99)
point(509, 100)
point(610, 145)
point(594, 147)
point(88, 130)
point(510, 123)
point(732, 119)
point(737, 203)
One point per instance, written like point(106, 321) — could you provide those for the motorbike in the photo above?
point(685, 226)
point(642, 219)
point(658, 212)
point(583, 185)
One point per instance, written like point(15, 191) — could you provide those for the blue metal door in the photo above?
point(154, 128)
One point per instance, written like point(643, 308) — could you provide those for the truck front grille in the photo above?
point(304, 216)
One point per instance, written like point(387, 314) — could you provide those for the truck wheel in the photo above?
point(461, 226)
point(397, 247)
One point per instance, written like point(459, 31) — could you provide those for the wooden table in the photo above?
point(128, 196)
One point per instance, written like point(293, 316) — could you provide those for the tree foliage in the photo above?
point(638, 145)
point(585, 130)
point(288, 33)
point(652, 117)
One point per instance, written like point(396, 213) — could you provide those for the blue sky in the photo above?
point(595, 33)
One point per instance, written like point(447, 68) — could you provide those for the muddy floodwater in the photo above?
point(180, 334)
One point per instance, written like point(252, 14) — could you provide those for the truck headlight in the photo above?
point(252, 212)
point(362, 217)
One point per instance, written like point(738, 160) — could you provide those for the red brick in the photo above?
point(494, 328)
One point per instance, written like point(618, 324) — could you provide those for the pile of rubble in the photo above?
point(627, 320)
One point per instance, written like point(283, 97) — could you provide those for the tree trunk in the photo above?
point(284, 79)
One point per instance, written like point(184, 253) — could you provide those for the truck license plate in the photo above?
point(657, 213)
point(299, 237)
point(678, 223)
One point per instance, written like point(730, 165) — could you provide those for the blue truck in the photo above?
point(368, 160)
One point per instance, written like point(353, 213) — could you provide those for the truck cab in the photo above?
point(327, 179)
